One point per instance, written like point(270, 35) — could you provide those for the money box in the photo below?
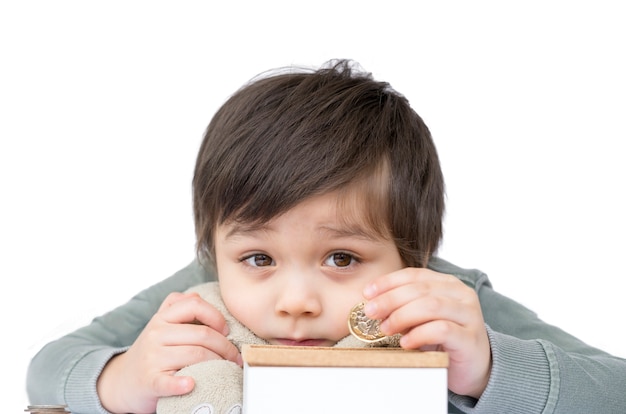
point(287, 380)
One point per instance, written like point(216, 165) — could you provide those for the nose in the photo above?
point(298, 297)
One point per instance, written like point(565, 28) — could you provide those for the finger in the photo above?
point(440, 334)
point(203, 341)
point(402, 277)
point(175, 297)
point(424, 310)
point(166, 385)
point(177, 357)
point(381, 306)
point(193, 309)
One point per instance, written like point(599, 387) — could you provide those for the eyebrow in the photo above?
point(346, 231)
point(351, 230)
point(239, 228)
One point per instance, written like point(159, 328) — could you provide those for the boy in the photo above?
point(311, 191)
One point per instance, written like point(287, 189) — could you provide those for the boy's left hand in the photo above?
point(432, 309)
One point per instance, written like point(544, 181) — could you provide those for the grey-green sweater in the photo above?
point(537, 368)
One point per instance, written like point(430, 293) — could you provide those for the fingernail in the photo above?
point(384, 327)
point(369, 291)
point(226, 330)
point(239, 360)
point(370, 308)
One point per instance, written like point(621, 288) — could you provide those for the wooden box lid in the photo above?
point(305, 356)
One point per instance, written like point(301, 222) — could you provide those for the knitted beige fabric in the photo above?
point(219, 383)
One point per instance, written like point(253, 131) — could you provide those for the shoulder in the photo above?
point(474, 278)
point(195, 273)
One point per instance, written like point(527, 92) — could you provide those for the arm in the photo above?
point(65, 371)
point(540, 368)
point(537, 367)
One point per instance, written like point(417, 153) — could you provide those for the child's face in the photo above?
point(293, 280)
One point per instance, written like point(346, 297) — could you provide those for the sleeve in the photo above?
point(538, 368)
point(66, 370)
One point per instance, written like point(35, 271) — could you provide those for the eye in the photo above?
point(259, 260)
point(340, 259)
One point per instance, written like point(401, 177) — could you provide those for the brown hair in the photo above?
point(286, 137)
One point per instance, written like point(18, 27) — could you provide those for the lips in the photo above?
point(302, 342)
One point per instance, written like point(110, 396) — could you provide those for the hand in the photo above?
point(185, 330)
point(435, 311)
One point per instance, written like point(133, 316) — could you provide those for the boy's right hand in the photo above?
point(185, 330)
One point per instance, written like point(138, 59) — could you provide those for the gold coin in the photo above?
point(364, 328)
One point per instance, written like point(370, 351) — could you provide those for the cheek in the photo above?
point(243, 304)
point(337, 309)
point(238, 296)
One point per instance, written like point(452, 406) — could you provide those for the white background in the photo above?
point(103, 106)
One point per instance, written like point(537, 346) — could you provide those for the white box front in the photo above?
point(345, 390)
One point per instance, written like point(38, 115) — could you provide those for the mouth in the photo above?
point(303, 342)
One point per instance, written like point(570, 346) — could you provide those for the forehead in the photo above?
point(337, 214)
